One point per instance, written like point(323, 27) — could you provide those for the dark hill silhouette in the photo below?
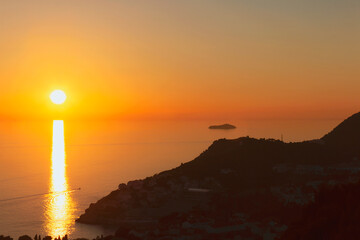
point(245, 170)
point(346, 135)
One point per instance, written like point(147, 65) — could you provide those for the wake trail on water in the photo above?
point(39, 194)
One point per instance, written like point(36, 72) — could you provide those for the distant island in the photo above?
point(223, 126)
point(246, 188)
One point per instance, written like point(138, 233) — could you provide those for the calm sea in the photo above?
point(51, 171)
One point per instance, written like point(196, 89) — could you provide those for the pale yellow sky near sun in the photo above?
point(180, 59)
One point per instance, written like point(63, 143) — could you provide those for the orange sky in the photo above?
point(208, 59)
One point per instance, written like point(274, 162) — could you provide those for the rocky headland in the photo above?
point(241, 188)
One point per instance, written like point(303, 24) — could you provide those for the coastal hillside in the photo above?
point(346, 136)
point(243, 187)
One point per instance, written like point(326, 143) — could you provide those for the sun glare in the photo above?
point(58, 97)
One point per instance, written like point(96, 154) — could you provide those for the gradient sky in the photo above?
point(208, 59)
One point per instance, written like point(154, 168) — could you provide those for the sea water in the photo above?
point(51, 171)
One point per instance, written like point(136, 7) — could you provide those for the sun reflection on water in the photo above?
point(60, 206)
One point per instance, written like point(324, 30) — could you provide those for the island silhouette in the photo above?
point(223, 126)
point(244, 187)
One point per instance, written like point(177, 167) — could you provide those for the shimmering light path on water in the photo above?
point(60, 206)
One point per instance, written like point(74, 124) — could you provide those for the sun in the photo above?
point(58, 97)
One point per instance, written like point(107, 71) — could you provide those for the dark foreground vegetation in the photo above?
point(333, 215)
point(38, 237)
point(246, 188)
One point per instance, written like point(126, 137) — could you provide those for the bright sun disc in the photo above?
point(58, 97)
